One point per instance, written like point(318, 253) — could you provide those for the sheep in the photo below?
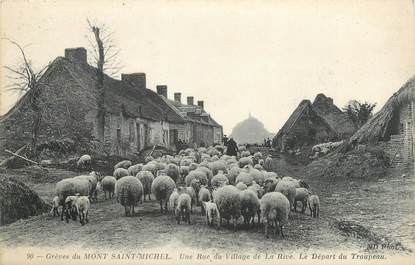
point(133, 170)
point(151, 166)
point(258, 167)
point(84, 162)
point(216, 166)
point(120, 172)
point(257, 156)
point(193, 195)
point(55, 206)
point(193, 166)
point(228, 202)
point(270, 184)
point(92, 184)
point(162, 186)
point(233, 173)
point(146, 178)
point(257, 175)
point(69, 187)
point(242, 148)
point(70, 208)
point(219, 180)
point(196, 174)
point(108, 185)
point(241, 186)
point(173, 200)
point(314, 205)
point(183, 208)
point(288, 189)
point(172, 171)
point(249, 206)
point(123, 164)
point(243, 161)
point(301, 194)
point(211, 212)
point(270, 174)
point(204, 196)
point(129, 191)
point(268, 163)
point(82, 205)
point(244, 177)
point(186, 162)
point(184, 171)
point(207, 172)
point(204, 157)
point(275, 208)
point(259, 191)
point(245, 154)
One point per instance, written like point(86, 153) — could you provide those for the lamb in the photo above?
point(228, 202)
point(133, 170)
point(108, 185)
point(70, 208)
point(249, 206)
point(55, 206)
point(84, 162)
point(314, 205)
point(243, 161)
point(173, 200)
point(219, 180)
point(69, 187)
point(123, 164)
point(173, 171)
point(211, 212)
point(183, 207)
point(120, 172)
point(241, 186)
point(204, 196)
point(129, 191)
point(288, 189)
point(162, 187)
point(82, 205)
point(146, 178)
point(301, 194)
point(275, 208)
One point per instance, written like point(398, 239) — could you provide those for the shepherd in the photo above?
point(232, 148)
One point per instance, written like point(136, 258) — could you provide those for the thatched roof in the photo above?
point(379, 126)
point(338, 120)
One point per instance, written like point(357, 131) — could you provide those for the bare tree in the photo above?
point(24, 79)
point(105, 55)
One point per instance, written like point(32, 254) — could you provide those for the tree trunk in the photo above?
point(100, 88)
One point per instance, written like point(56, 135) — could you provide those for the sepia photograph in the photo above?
point(207, 132)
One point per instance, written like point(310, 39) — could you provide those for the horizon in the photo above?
point(256, 64)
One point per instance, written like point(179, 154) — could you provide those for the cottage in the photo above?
point(136, 117)
point(393, 126)
point(311, 123)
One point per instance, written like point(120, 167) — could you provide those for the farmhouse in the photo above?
point(311, 123)
point(136, 117)
point(393, 127)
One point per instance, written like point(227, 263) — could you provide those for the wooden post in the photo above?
point(22, 157)
point(4, 162)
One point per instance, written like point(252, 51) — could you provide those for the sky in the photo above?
point(240, 57)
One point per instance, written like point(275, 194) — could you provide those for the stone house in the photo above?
point(136, 117)
point(392, 128)
point(312, 123)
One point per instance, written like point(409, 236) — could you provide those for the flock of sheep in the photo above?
point(225, 187)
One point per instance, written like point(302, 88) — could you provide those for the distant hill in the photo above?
point(250, 131)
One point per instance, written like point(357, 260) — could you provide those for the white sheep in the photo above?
point(301, 195)
point(108, 185)
point(93, 181)
point(233, 173)
point(162, 187)
point(70, 208)
point(244, 177)
point(211, 212)
point(133, 170)
point(172, 171)
point(228, 202)
point(259, 191)
point(219, 180)
point(288, 189)
point(268, 163)
point(173, 200)
point(183, 208)
point(120, 172)
point(84, 161)
point(243, 161)
point(146, 178)
point(70, 187)
point(245, 154)
point(123, 164)
point(249, 206)
point(151, 166)
point(217, 166)
point(314, 205)
point(241, 186)
point(270, 184)
point(193, 195)
point(55, 206)
point(184, 171)
point(129, 191)
point(82, 205)
point(204, 196)
point(196, 174)
point(257, 175)
point(275, 209)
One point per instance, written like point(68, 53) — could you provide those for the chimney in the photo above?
point(178, 97)
point(190, 101)
point(162, 90)
point(200, 103)
point(76, 55)
point(137, 79)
